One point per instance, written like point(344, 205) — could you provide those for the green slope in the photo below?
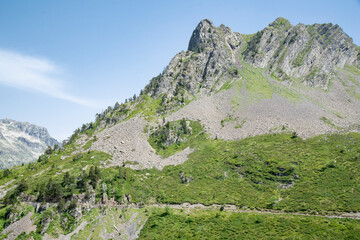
point(211, 224)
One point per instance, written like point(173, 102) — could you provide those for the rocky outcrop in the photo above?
point(209, 62)
point(309, 52)
point(22, 142)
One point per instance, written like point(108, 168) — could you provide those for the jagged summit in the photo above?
point(201, 35)
point(280, 22)
point(310, 54)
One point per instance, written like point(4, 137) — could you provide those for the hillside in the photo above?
point(252, 136)
point(22, 142)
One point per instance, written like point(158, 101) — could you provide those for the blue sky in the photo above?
point(61, 62)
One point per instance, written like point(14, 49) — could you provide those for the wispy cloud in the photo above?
point(34, 74)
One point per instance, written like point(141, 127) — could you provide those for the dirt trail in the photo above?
point(226, 207)
point(233, 208)
point(230, 208)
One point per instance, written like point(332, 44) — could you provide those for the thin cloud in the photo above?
point(34, 74)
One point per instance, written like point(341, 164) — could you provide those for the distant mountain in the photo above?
point(22, 142)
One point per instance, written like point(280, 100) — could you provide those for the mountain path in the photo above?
point(226, 207)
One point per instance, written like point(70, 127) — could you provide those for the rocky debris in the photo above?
point(127, 229)
point(303, 116)
point(85, 200)
point(25, 224)
point(63, 157)
point(76, 213)
point(121, 138)
point(184, 178)
point(126, 199)
point(45, 222)
point(312, 54)
point(108, 202)
point(24, 197)
point(41, 207)
point(286, 185)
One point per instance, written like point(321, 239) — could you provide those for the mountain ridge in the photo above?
point(22, 142)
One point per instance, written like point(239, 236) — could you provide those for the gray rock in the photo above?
point(309, 52)
point(209, 62)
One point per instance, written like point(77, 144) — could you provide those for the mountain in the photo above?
point(285, 78)
point(241, 136)
point(22, 142)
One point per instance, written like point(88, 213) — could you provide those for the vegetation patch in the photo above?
point(240, 125)
point(175, 136)
point(274, 171)
point(300, 57)
point(147, 107)
point(210, 224)
point(89, 143)
point(328, 122)
point(252, 48)
point(229, 118)
point(352, 69)
point(257, 86)
point(351, 88)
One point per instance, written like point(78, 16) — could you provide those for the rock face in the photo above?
point(309, 53)
point(209, 62)
point(22, 142)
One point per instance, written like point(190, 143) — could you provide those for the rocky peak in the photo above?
point(311, 53)
point(201, 36)
point(280, 23)
point(205, 66)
